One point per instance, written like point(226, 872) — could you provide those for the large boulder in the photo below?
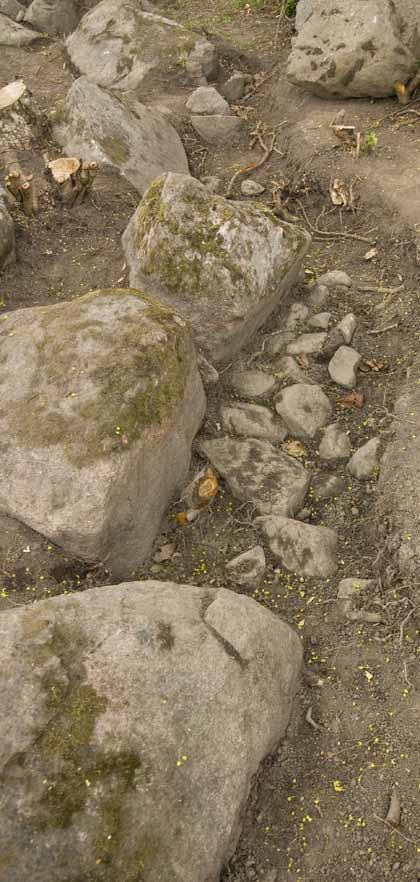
point(140, 142)
point(7, 235)
point(356, 49)
point(14, 34)
point(224, 265)
point(122, 46)
point(96, 435)
point(53, 16)
point(133, 720)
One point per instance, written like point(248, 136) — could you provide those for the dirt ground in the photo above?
point(318, 805)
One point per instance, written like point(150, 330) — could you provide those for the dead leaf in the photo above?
point(303, 361)
point(373, 252)
point(374, 365)
point(341, 193)
point(166, 552)
point(208, 486)
point(294, 448)
point(352, 399)
point(182, 518)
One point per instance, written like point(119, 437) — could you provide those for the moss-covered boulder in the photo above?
point(133, 720)
point(140, 143)
point(226, 265)
point(7, 235)
point(100, 399)
point(121, 45)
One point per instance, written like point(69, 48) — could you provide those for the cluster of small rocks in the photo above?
point(211, 114)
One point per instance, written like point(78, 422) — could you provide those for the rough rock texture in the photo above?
point(253, 421)
point(97, 433)
point(121, 46)
point(307, 344)
point(334, 280)
point(325, 486)
point(302, 548)
point(202, 63)
point(12, 8)
point(249, 567)
point(14, 34)
point(134, 718)
point(53, 16)
point(218, 130)
point(318, 296)
point(321, 320)
point(251, 188)
point(304, 408)
point(206, 99)
point(7, 236)
point(355, 49)
point(287, 368)
point(364, 464)
point(224, 265)
point(256, 472)
point(343, 367)
point(335, 444)
point(253, 384)
point(347, 327)
point(234, 88)
point(139, 142)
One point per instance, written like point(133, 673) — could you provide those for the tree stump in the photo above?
point(19, 119)
point(72, 178)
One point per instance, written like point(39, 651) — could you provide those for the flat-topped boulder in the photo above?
point(134, 718)
point(97, 432)
point(223, 265)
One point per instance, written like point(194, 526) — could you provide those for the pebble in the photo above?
point(234, 87)
point(343, 366)
point(364, 464)
point(248, 568)
point(207, 100)
point(304, 408)
point(333, 341)
point(335, 444)
point(251, 188)
point(298, 313)
point(320, 320)
point(278, 343)
point(253, 384)
point(302, 548)
point(335, 279)
point(253, 421)
point(307, 344)
point(347, 327)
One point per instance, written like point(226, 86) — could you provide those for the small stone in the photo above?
point(364, 464)
point(318, 295)
point(251, 188)
point(333, 341)
point(325, 486)
point(234, 88)
point(208, 372)
point(304, 408)
point(302, 548)
point(298, 313)
point(207, 100)
point(202, 63)
point(253, 421)
point(248, 568)
point(347, 327)
point(320, 320)
point(253, 384)
point(219, 130)
point(212, 183)
point(307, 344)
point(343, 366)
point(277, 343)
point(288, 369)
point(335, 444)
point(335, 279)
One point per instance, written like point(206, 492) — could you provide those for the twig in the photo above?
point(261, 83)
point(311, 721)
point(406, 677)
point(328, 235)
point(383, 330)
point(394, 830)
point(241, 171)
point(372, 289)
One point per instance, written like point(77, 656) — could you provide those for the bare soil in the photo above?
point(318, 805)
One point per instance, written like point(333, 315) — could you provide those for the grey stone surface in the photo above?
point(251, 188)
point(253, 421)
point(53, 16)
point(235, 87)
point(202, 63)
point(320, 321)
point(346, 50)
point(286, 369)
point(277, 343)
point(333, 341)
point(303, 10)
point(212, 183)
point(253, 383)
point(98, 431)
point(208, 372)
point(13, 9)
point(304, 408)
point(14, 34)
point(343, 367)
point(134, 719)
point(347, 327)
point(140, 142)
point(335, 279)
point(335, 444)
point(7, 236)
point(207, 100)
point(259, 473)
point(248, 568)
point(307, 344)
point(326, 486)
point(364, 463)
point(224, 265)
point(121, 46)
point(218, 130)
point(302, 548)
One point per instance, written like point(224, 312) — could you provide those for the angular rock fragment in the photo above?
point(364, 464)
point(253, 421)
point(335, 444)
point(304, 408)
point(343, 366)
point(249, 567)
point(302, 548)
